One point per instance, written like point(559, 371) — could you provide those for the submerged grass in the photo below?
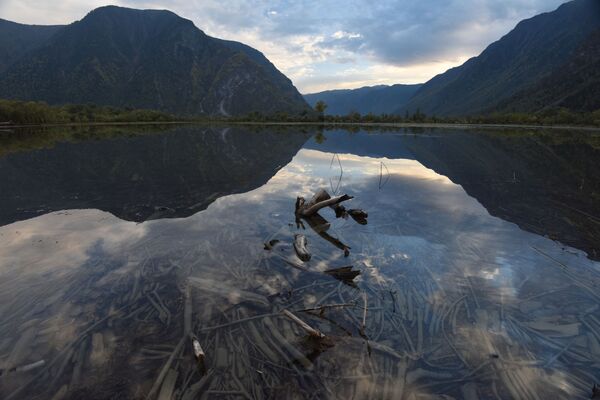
point(411, 328)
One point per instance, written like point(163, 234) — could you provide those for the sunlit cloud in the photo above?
point(346, 35)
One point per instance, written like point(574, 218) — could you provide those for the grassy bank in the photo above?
point(19, 113)
point(38, 113)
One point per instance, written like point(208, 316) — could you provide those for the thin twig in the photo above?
point(327, 306)
point(236, 322)
point(364, 320)
point(334, 191)
point(382, 183)
point(309, 329)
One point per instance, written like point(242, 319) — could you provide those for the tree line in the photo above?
point(549, 117)
point(35, 112)
point(29, 113)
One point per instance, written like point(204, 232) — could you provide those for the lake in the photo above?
point(479, 263)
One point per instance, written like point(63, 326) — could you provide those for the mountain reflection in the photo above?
point(544, 181)
point(458, 301)
point(169, 174)
point(461, 304)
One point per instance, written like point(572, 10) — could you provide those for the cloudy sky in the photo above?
point(331, 44)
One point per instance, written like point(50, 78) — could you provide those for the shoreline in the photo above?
point(445, 125)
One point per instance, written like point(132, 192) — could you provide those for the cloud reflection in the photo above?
point(460, 303)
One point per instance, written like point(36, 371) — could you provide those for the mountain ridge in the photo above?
point(527, 54)
point(379, 99)
point(150, 59)
point(28, 38)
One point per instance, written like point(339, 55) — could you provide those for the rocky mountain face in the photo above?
point(574, 86)
point(143, 59)
point(535, 50)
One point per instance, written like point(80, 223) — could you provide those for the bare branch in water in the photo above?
point(383, 182)
point(334, 191)
point(309, 329)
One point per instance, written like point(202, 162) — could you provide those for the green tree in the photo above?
point(320, 107)
point(354, 116)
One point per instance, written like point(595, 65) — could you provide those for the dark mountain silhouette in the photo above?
point(371, 99)
point(574, 86)
point(147, 59)
point(17, 40)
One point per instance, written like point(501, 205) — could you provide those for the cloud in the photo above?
point(416, 39)
point(346, 35)
point(355, 74)
point(415, 31)
point(37, 249)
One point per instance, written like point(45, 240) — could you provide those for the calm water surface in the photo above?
point(478, 265)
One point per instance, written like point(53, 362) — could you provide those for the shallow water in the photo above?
point(477, 265)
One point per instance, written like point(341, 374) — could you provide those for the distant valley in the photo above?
point(381, 99)
point(546, 62)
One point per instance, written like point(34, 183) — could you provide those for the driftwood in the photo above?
point(317, 223)
point(168, 386)
point(344, 274)
point(290, 354)
point(308, 211)
point(198, 351)
point(321, 309)
point(321, 195)
point(300, 245)
point(309, 329)
point(25, 368)
point(193, 390)
point(320, 225)
point(596, 392)
point(163, 373)
point(364, 319)
point(320, 200)
point(359, 216)
point(199, 354)
point(271, 244)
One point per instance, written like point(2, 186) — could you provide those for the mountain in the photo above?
point(525, 56)
point(149, 59)
point(164, 174)
point(18, 39)
point(370, 99)
point(574, 86)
